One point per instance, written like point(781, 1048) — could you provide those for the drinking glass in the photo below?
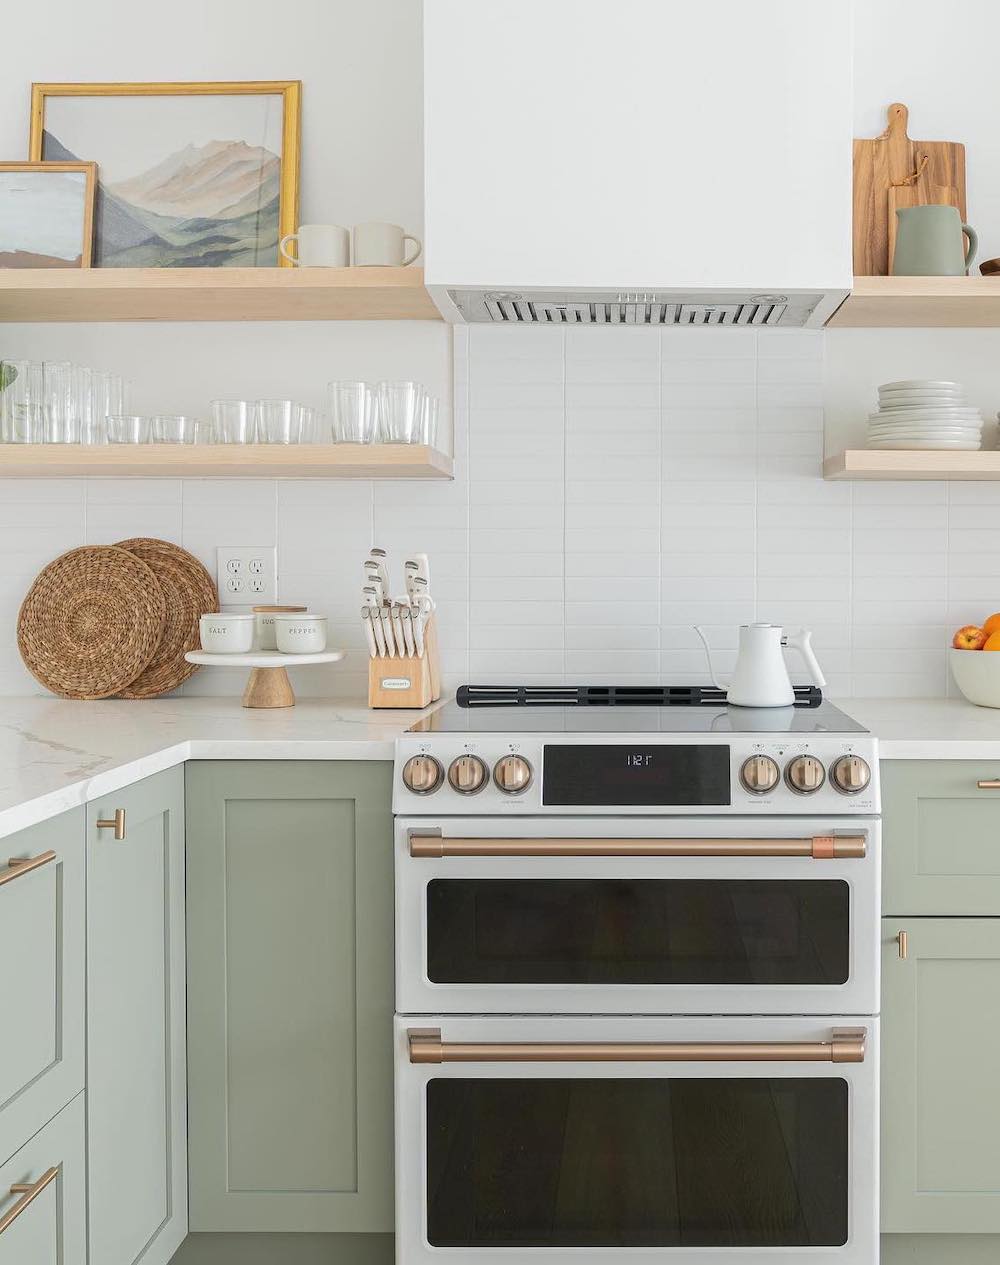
point(352, 412)
point(400, 406)
point(22, 401)
point(177, 430)
point(235, 421)
point(311, 420)
point(124, 428)
point(107, 395)
point(60, 425)
point(429, 421)
point(280, 421)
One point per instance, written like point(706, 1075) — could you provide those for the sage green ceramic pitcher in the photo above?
point(929, 242)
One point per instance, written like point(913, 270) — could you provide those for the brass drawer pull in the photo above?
point(29, 1192)
point(903, 943)
point(844, 1046)
point(989, 784)
point(24, 865)
point(116, 823)
point(821, 847)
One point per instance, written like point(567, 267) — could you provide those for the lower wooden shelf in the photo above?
point(230, 461)
point(911, 463)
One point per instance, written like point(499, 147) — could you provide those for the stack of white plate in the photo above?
point(924, 413)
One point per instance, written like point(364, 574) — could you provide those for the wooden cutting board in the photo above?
point(891, 171)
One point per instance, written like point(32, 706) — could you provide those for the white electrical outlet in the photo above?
point(247, 575)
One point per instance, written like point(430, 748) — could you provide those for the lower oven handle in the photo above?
point(846, 1045)
point(820, 847)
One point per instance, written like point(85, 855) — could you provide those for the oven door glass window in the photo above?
point(638, 931)
point(637, 1163)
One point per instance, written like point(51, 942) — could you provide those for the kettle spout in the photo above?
point(708, 655)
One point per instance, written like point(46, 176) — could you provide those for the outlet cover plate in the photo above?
point(247, 575)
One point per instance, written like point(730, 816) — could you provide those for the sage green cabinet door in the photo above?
point(290, 995)
point(42, 951)
point(46, 1223)
point(940, 1082)
point(940, 837)
point(136, 1107)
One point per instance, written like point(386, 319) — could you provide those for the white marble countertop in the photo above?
point(56, 754)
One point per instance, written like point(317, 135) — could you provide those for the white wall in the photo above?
point(611, 487)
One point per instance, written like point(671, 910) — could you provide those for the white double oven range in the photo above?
point(637, 984)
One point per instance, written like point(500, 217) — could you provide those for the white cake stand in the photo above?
point(268, 684)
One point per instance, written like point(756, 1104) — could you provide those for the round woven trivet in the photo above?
point(190, 593)
point(91, 622)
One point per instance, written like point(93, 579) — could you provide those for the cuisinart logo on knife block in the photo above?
point(395, 683)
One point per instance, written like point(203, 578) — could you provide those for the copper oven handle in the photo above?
point(989, 784)
point(821, 847)
point(846, 1045)
point(24, 865)
point(29, 1192)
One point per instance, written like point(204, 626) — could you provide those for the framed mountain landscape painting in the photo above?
point(189, 175)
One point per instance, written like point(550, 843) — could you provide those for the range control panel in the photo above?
point(672, 774)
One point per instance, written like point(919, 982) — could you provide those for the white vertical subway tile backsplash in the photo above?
point(613, 487)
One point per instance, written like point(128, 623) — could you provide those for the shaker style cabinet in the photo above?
point(940, 1087)
point(43, 955)
point(941, 820)
point(136, 1096)
point(290, 984)
point(43, 1199)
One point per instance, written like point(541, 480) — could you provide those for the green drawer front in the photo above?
point(940, 837)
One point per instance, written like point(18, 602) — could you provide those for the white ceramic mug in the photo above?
point(320, 246)
point(225, 633)
point(300, 634)
point(381, 246)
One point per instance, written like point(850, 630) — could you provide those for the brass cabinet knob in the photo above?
point(115, 823)
point(902, 943)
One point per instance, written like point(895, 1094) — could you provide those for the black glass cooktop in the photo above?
point(706, 718)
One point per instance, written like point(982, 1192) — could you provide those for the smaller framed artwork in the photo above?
point(47, 214)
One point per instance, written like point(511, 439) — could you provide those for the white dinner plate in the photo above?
point(966, 436)
point(917, 399)
point(958, 444)
point(956, 416)
point(916, 384)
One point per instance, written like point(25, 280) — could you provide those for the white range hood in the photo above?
point(638, 161)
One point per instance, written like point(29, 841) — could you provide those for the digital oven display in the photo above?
point(658, 776)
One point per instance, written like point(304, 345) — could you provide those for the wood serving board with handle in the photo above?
point(892, 171)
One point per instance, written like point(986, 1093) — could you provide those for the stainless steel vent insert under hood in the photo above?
point(613, 307)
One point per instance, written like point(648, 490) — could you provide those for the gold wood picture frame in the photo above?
point(193, 175)
point(47, 213)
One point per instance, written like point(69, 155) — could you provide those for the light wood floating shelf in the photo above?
point(896, 463)
point(232, 461)
point(913, 302)
point(215, 294)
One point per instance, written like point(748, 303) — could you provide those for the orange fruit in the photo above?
point(992, 641)
point(992, 624)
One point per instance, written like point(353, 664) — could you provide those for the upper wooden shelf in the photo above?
point(233, 461)
point(910, 302)
point(911, 463)
point(215, 294)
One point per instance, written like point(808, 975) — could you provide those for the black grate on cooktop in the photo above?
point(609, 696)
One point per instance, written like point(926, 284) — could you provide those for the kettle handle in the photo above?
point(708, 655)
point(801, 640)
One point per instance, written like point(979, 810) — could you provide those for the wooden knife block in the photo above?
point(407, 680)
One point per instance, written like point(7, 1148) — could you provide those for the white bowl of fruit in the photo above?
point(975, 669)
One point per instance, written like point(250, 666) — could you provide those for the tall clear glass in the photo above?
point(60, 424)
point(429, 421)
point(352, 412)
point(23, 402)
point(400, 406)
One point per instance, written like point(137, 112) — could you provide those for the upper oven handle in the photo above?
point(820, 847)
point(846, 1045)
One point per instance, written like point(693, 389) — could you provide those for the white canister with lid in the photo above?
point(226, 633)
point(264, 635)
point(300, 634)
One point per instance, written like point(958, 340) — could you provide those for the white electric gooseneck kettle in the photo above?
point(760, 677)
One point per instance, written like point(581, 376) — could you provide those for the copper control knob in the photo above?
point(759, 774)
point(467, 774)
point(850, 774)
point(422, 774)
point(512, 774)
point(804, 774)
